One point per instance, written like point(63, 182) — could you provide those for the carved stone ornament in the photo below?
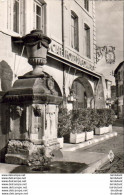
point(16, 110)
point(37, 45)
point(50, 84)
point(37, 110)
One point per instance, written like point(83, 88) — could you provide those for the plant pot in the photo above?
point(110, 128)
point(107, 129)
point(103, 130)
point(60, 140)
point(77, 137)
point(100, 130)
point(89, 135)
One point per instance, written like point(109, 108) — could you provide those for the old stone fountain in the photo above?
point(32, 105)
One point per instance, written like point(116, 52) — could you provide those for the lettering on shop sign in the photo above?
point(70, 56)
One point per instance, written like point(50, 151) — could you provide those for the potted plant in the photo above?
point(82, 125)
point(64, 124)
point(90, 124)
point(110, 119)
point(77, 134)
point(105, 121)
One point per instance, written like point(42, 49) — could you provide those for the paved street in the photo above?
point(116, 144)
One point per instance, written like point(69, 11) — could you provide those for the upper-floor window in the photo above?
point(87, 41)
point(15, 16)
point(74, 31)
point(20, 19)
point(39, 16)
point(86, 4)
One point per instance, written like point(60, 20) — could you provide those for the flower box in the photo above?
point(77, 137)
point(107, 129)
point(89, 135)
point(100, 130)
point(103, 130)
point(60, 140)
point(110, 128)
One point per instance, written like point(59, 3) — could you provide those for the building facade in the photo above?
point(119, 80)
point(114, 99)
point(71, 57)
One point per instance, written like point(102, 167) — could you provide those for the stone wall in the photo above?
point(3, 134)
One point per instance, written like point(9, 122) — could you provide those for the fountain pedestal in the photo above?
point(32, 117)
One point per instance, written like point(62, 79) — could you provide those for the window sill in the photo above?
point(10, 33)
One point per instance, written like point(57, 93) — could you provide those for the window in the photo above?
point(15, 16)
point(86, 4)
point(87, 41)
point(39, 16)
point(74, 31)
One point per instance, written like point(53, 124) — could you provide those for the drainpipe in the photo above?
point(63, 30)
point(63, 49)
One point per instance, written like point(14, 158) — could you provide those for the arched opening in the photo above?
point(83, 93)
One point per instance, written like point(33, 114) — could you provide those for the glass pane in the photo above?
point(38, 10)
point(16, 16)
point(38, 22)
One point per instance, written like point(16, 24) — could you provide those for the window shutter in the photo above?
point(44, 18)
point(76, 34)
point(34, 16)
point(9, 16)
point(88, 42)
point(22, 17)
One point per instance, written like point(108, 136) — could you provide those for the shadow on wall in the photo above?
point(6, 76)
point(99, 99)
point(17, 48)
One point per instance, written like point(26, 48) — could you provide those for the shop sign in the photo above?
point(70, 56)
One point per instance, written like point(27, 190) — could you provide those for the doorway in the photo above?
point(83, 93)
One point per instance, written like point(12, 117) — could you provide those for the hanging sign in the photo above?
point(108, 52)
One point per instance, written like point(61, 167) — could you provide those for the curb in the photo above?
point(90, 142)
point(95, 166)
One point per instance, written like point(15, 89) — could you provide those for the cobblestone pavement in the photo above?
point(116, 144)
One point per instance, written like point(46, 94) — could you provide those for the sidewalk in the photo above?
point(88, 161)
point(93, 160)
point(97, 139)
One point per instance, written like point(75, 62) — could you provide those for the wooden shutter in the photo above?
point(34, 15)
point(44, 20)
point(22, 17)
point(88, 42)
point(9, 14)
point(76, 42)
